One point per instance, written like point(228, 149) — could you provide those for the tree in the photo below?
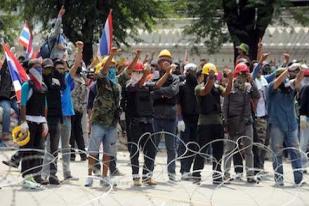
point(83, 20)
point(246, 21)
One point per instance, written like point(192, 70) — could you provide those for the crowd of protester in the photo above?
point(203, 113)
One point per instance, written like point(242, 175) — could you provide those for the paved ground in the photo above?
point(164, 194)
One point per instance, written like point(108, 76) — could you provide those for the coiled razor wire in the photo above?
point(160, 172)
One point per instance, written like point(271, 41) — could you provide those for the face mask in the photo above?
point(47, 71)
point(135, 78)
point(36, 76)
point(112, 74)
point(156, 75)
point(191, 79)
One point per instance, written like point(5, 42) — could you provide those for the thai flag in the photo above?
point(106, 40)
point(17, 72)
point(25, 39)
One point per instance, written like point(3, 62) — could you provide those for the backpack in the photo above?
point(48, 45)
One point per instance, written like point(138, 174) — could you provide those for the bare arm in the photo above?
point(133, 63)
point(280, 79)
point(229, 85)
point(78, 58)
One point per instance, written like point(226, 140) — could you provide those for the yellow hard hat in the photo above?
point(165, 53)
point(20, 138)
point(209, 67)
point(100, 65)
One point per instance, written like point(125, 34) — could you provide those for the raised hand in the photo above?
point(61, 11)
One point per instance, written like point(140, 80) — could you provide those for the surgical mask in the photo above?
point(112, 75)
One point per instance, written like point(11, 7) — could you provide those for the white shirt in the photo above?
point(261, 84)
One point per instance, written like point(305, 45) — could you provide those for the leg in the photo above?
point(277, 139)
point(261, 127)
point(217, 152)
point(170, 142)
point(230, 148)
point(96, 137)
point(27, 152)
point(295, 156)
point(134, 135)
point(6, 107)
point(109, 147)
point(203, 138)
point(79, 136)
point(65, 146)
point(52, 145)
point(182, 153)
point(149, 150)
point(248, 141)
point(304, 141)
point(73, 136)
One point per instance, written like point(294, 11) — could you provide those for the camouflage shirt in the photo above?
point(106, 103)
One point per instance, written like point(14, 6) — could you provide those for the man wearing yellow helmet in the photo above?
point(165, 109)
point(210, 123)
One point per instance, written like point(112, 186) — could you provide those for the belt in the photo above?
point(263, 117)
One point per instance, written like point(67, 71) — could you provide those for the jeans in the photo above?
point(57, 131)
point(231, 148)
point(187, 143)
point(278, 137)
point(7, 105)
point(167, 125)
point(304, 142)
point(65, 131)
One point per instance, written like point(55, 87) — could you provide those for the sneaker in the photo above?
point(83, 158)
point(107, 182)
point(279, 184)
point(53, 180)
point(252, 180)
point(96, 171)
point(30, 183)
point(72, 159)
point(172, 177)
point(10, 163)
point(137, 182)
point(187, 176)
point(149, 181)
point(305, 171)
point(116, 173)
point(70, 178)
point(300, 184)
point(197, 180)
point(238, 177)
point(217, 181)
point(89, 181)
point(40, 180)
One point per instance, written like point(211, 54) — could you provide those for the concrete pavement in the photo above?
point(165, 193)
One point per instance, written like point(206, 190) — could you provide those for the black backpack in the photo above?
point(48, 45)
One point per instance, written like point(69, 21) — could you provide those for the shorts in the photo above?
point(106, 135)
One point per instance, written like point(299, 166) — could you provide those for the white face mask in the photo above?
point(156, 75)
point(135, 78)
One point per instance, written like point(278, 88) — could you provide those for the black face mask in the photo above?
point(79, 70)
point(60, 76)
point(191, 79)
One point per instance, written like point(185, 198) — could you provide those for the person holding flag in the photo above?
point(12, 74)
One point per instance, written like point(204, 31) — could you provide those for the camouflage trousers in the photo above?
point(260, 138)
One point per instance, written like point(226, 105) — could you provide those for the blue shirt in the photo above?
point(66, 98)
point(281, 109)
